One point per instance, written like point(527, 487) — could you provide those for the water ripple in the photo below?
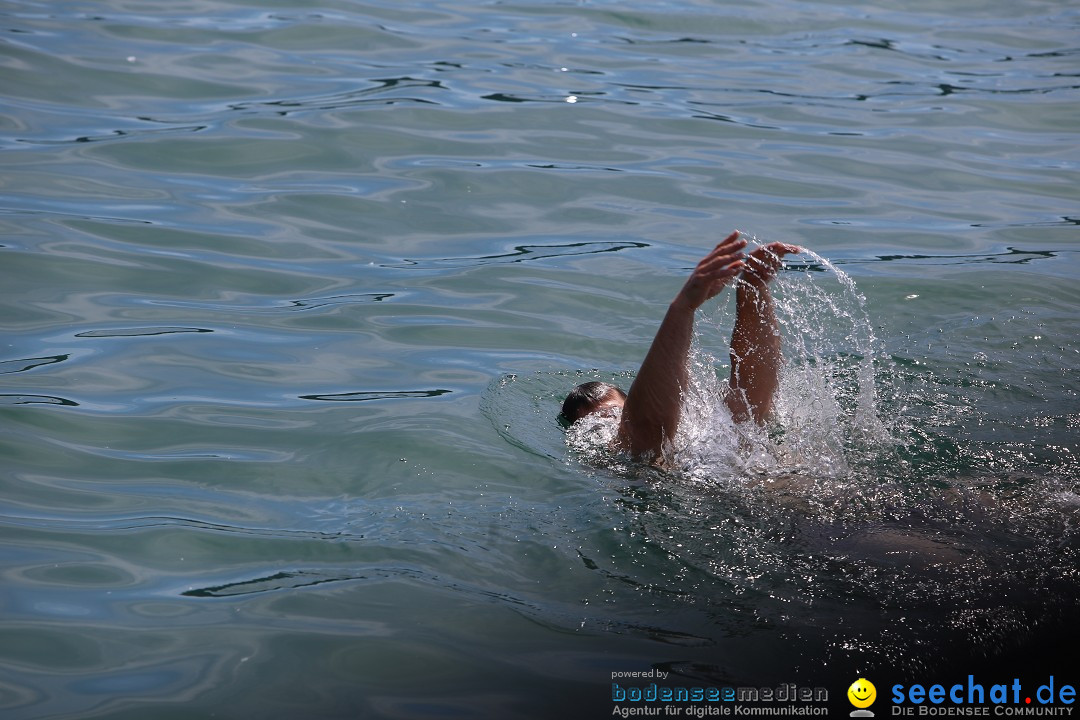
point(365, 396)
point(16, 399)
point(24, 364)
point(139, 332)
point(526, 253)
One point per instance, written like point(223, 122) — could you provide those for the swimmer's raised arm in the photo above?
point(755, 339)
point(650, 415)
point(650, 412)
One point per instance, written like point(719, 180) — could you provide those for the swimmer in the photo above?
point(649, 413)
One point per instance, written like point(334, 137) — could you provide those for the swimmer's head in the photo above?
point(591, 397)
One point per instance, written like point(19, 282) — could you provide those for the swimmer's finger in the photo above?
point(721, 276)
point(721, 271)
point(732, 268)
point(769, 255)
point(724, 254)
point(732, 238)
point(780, 248)
point(731, 243)
point(718, 259)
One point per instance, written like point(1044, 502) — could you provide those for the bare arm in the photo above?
point(755, 340)
point(651, 413)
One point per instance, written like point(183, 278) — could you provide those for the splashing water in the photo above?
point(592, 439)
point(826, 415)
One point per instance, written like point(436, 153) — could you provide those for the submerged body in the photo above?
point(649, 414)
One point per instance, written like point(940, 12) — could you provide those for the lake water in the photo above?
point(292, 292)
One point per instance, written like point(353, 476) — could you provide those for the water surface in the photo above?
point(292, 292)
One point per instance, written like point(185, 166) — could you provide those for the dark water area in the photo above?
point(292, 293)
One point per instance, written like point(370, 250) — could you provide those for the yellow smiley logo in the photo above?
point(862, 693)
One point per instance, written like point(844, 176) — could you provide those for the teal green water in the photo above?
point(292, 292)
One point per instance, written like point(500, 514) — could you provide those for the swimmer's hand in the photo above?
point(764, 262)
point(713, 273)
